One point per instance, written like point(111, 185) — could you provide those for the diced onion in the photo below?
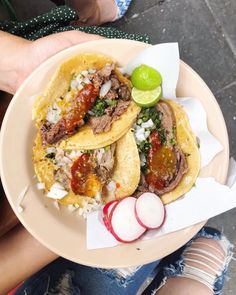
point(57, 191)
point(91, 71)
point(147, 133)
point(53, 116)
point(51, 150)
point(105, 89)
point(75, 154)
point(84, 73)
point(40, 185)
point(111, 186)
point(86, 81)
point(148, 124)
point(140, 135)
point(98, 196)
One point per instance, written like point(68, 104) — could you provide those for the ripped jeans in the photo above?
point(67, 278)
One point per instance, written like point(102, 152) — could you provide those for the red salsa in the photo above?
point(161, 163)
point(84, 102)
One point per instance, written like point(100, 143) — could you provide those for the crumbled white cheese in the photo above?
point(57, 191)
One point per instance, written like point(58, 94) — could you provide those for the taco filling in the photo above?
point(96, 97)
point(163, 163)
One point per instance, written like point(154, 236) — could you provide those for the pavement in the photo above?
point(206, 33)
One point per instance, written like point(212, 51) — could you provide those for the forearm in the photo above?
point(12, 51)
point(21, 256)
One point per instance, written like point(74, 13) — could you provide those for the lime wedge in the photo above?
point(146, 98)
point(145, 78)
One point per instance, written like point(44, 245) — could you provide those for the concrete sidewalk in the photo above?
point(206, 32)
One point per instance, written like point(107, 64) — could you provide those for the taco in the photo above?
point(82, 177)
point(170, 158)
point(87, 104)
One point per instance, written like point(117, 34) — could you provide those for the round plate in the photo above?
point(64, 233)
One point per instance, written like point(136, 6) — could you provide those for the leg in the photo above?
point(204, 261)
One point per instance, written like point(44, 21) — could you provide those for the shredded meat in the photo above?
point(113, 113)
point(105, 163)
point(124, 92)
point(115, 83)
point(52, 133)
point(100, 124)
point(63, 176)
point(106, 71)
point(112, 94)
point(167, 121)
point(110, 110)
point(120, 109)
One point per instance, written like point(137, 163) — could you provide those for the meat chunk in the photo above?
point(105, 162)
point(63, 176)
point(52, 133)
point(120, 109)
point(115, 83)
point(167, 121)
point(105, 72)
point(113, 113)
point(100, 124)
point(124, 92)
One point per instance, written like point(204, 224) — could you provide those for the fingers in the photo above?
point(48, 46)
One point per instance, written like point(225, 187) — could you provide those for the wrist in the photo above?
point(13, 51)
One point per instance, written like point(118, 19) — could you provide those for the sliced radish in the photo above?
point(124, 225)
point(106, 207)
point(106, 213)
point(150, 211)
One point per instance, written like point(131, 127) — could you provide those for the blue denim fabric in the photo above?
point(67, 278)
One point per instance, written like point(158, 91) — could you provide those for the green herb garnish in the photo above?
point(99, 107)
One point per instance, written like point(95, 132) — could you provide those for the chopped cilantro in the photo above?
point(111, 102)
point(173, 141)
point(174, 130)
point(99, 107)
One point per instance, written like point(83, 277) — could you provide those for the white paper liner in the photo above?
point(164, 58)
point(208, 198)
point(209, 145)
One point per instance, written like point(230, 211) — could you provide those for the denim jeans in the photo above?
point(68, 278)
